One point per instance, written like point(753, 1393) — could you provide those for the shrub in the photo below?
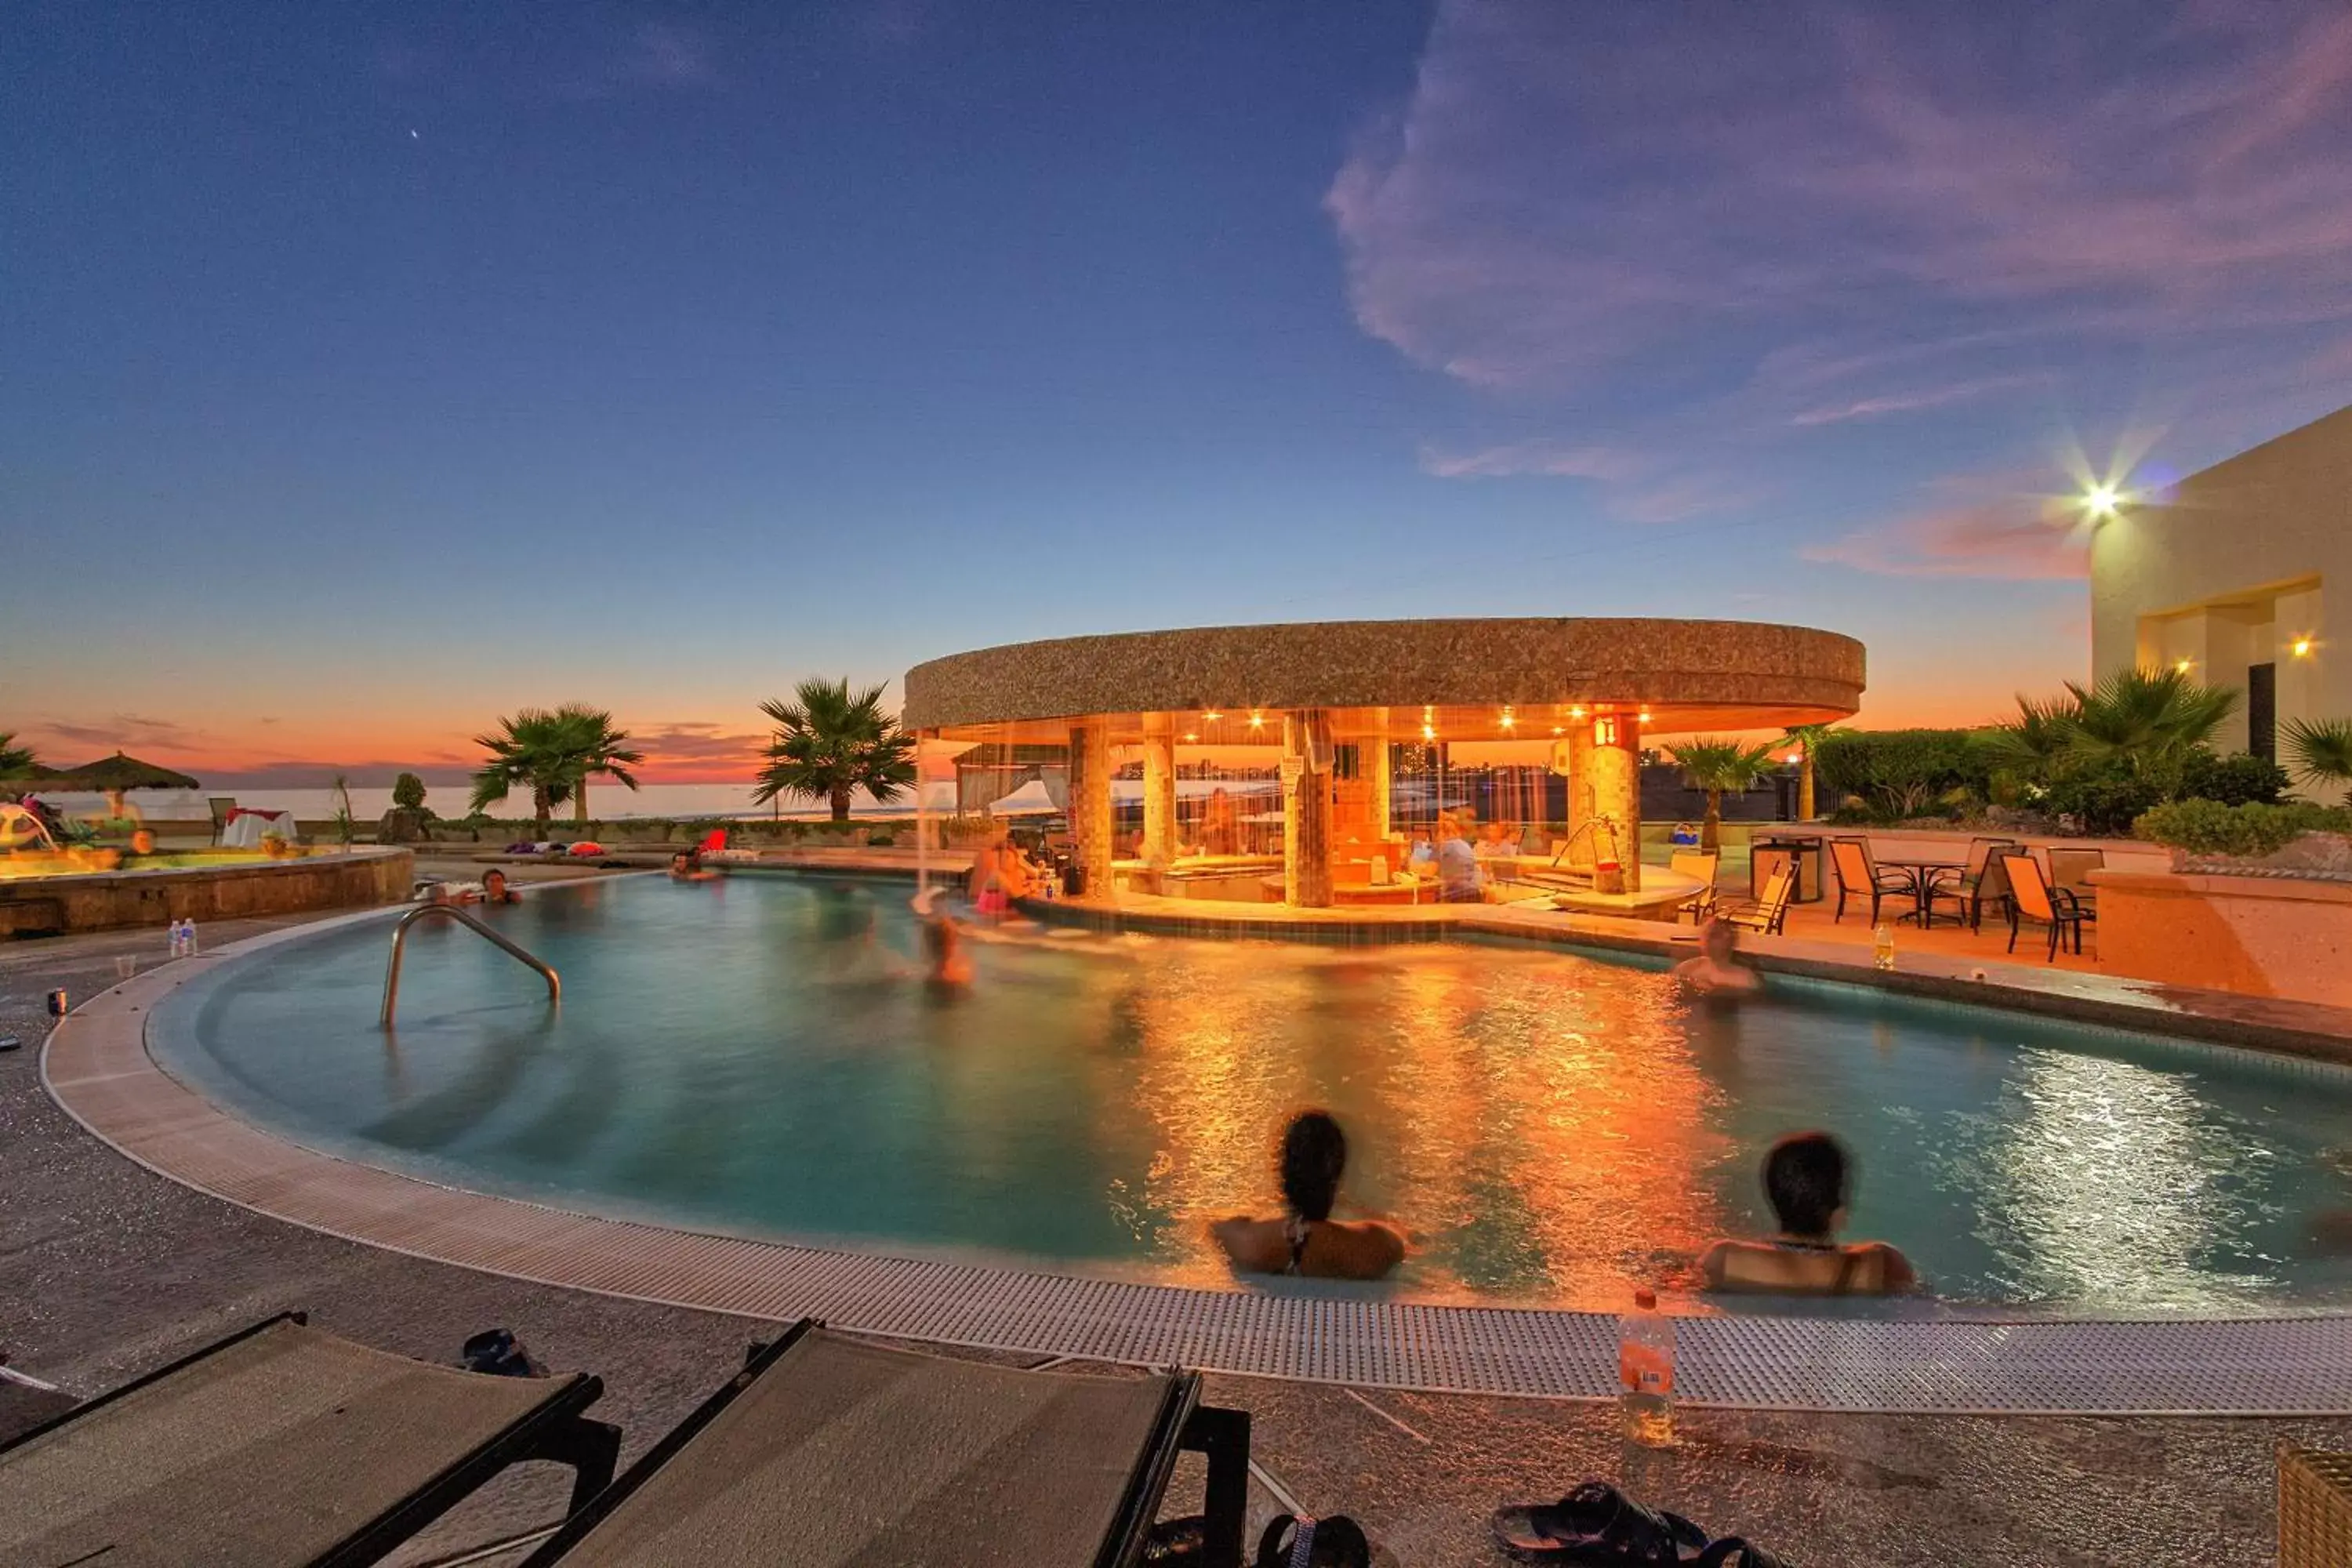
point(1901, 773)
point(2235, 780)
point(2106, 798)
point(2250, 830)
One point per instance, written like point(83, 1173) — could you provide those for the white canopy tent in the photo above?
point(1030, 800)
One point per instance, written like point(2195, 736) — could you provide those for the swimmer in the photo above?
point(686, 865)
point(946, 961)
point(1306, 1240)
point(495, 889)
point(1717, 971)
point(1805, 1179)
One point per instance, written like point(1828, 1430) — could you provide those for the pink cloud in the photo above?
point(1913, 401)
point(1980, 528)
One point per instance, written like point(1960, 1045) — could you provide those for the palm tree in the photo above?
point(15, 761)
point(2322, 750)
point(2144, 718)
point(591, 745)
point(1807, 736)
point(552, 754)
point(1715, 766)
point(2037, 739)
point(830, 743)
point(526, 753)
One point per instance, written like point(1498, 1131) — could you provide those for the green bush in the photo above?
point(2235, 780)
point(1901, 773)
point(2106, 798)
point(2252, 830)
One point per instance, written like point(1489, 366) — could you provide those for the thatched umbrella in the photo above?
point(113, 775)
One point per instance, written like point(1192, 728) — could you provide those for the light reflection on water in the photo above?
point(761, 1055)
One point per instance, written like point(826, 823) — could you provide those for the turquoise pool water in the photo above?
point(759, 1055)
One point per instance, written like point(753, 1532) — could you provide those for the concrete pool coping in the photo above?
point(97, 1065)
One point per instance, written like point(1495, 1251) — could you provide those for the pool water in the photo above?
point(761, 1055)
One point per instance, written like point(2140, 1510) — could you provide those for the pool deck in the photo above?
point(113, 1270)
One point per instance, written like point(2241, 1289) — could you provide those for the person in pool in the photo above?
point(1306, 1240)
point(686, 865)
point(944, 959)
point(1717, 971)
point(495, 889)
point(1805, 1178)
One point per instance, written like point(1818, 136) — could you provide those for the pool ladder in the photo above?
point(400, 936)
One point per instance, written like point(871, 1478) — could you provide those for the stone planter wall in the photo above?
point(108, 900)
point(2259, 936)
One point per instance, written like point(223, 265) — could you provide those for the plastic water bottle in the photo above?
point(188, 939)
point(179, 941)
point(1882, 946)
point(1646, 1365)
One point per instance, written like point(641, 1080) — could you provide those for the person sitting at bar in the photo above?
point(1459, 880)
point(1496, 841)
point(1221, 828)
point(1306, 1240)
point(1717, 971)
point(1805, 1179)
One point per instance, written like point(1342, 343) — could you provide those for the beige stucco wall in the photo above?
point(2251, 556)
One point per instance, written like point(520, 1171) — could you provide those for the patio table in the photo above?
point(1922, 876)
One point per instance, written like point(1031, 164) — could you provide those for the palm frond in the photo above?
point(2321, 751)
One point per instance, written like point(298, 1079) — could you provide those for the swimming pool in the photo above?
point(759, 1055)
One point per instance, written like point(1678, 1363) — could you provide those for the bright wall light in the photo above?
point(2302, 647)
point(2101, 500)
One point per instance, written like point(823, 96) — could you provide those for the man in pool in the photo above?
point(495, 889)
point(1716, 972)
point(1306, 1240)
point(1805, 1181)
point(686, 865)
point(945, 961)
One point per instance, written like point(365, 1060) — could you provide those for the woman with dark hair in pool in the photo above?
point(1306, 1240)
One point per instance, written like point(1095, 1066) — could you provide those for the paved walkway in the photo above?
point(105, 1270)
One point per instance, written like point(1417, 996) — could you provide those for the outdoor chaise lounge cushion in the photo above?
point(844, 1453)
point(275, 1448)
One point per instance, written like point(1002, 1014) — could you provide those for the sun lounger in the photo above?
point(281, 1445)
point(828, 1449)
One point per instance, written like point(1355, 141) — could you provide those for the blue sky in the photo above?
point(371, 371)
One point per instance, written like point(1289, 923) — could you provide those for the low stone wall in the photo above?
point(2258, 936)
point(105, 900)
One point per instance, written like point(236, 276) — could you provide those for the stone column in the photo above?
point(1616, 769)
point(1579, 774)
point(1159, 787)
point(1307, 809)
point(1090, 806)
point(1373, 758)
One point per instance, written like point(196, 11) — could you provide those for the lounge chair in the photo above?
point(1858, 874)
point(223, 806)
point(282, 1444)
point(829, 1450)
point(1766, 914)
point(1962, 885)
point(2031, 897)
point(1701, 864)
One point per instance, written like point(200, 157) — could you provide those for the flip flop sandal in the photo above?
point(1598, 1524)
point(1290, 1542)
point(1733, 1553)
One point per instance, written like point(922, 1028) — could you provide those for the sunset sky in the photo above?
point(368, 372)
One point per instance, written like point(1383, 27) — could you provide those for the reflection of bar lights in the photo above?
point(2301, 648)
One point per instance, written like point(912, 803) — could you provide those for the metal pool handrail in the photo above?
point(400, 935)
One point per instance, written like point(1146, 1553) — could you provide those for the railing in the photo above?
point(400, 936)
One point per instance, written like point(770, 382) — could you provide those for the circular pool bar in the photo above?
point(760, 1055)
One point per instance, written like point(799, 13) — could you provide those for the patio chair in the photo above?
point(283, 1445)
point(2031, 897)
point(222, 805)
point(859, 1452)
point(2069, 871)
point(1701, 864)
point(1858, 874)
point(1962, 885)
point(1768, 913)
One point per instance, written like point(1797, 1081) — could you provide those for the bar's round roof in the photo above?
point(1469, 676)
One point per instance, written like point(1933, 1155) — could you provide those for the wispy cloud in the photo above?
point(1728, 250)
point(121, 732)
point(1976, 528)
